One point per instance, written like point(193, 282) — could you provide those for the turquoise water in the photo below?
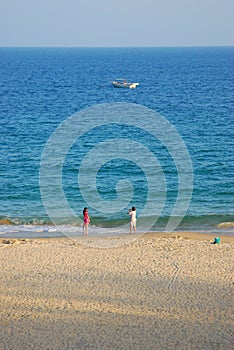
point(41, 88)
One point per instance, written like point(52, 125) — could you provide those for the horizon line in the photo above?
point(112, 47)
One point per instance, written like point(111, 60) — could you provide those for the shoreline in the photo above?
point(187, 235)
point(198, 236)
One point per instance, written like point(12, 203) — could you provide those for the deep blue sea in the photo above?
point(43, 88)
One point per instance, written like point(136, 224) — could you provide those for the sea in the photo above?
point(69, 139)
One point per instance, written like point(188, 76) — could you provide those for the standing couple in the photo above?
point(131, 212)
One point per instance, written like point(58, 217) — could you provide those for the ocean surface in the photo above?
point(43, 88)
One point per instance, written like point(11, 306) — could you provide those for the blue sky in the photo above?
point(116, 22)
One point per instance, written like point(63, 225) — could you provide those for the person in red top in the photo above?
point(86, 221)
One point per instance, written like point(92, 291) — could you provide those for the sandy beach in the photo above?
point(158, 292)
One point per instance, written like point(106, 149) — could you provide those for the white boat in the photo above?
point(123, 83)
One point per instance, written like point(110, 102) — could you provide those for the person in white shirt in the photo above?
point(132, 213)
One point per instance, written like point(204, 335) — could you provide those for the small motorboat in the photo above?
point(123, 83)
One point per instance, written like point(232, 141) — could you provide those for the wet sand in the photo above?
point(158, 292)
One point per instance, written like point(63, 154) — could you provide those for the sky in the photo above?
point(111, 23)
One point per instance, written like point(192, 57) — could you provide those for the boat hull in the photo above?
point(125, 85)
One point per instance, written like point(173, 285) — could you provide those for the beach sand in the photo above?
point(158, 292)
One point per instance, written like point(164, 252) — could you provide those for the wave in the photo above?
point(25, 221)
point(226, 225)
point(6, 222)
point(189, 222)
